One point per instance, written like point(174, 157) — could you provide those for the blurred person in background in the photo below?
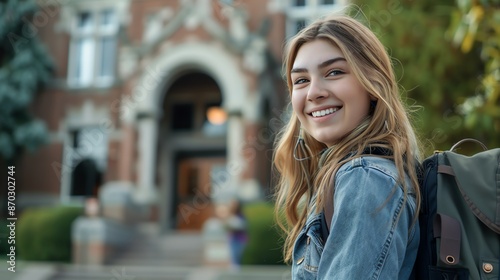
point(236, 225)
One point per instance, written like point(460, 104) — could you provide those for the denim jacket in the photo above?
point(372, 233)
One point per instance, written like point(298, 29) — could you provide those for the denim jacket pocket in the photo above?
point(308, 250)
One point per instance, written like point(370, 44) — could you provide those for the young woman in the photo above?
point(348, 145)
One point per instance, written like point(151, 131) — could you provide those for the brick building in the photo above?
point(177, 99)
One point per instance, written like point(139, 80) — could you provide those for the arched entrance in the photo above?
point(156, 160)
point(192, 136)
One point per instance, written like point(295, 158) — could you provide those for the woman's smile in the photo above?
point(324, 112)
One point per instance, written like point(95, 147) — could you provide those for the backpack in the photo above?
point(460, 216)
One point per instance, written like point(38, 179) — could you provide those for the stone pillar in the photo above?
point(117, 203)
point(215, 243)
point(95, 239)
point(236, 143)
point(147, 146)
point(126, 164)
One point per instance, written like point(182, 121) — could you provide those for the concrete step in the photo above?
point(174, 273)
point(150, 248)
point(122, 273)
point(54, 271)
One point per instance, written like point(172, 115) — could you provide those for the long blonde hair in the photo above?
point(387, 126)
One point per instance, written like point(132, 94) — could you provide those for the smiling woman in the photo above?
point(326, 96)
point(348, 149)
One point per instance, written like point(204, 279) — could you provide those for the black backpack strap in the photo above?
point(326, 218)
point(325, 226)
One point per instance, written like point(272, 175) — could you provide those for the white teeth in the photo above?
point(325, 112)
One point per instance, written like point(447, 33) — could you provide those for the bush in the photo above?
point(265, 244)
point(44, 234)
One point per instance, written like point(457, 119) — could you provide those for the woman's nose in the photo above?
point(317, 90)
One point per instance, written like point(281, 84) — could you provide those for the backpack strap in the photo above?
point(453, 148)
point(326, 218)
point(449, 230)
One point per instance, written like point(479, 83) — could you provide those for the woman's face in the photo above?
point(326, 96)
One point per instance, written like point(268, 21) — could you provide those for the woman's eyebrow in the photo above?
point(321, 65)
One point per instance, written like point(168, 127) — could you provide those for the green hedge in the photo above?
point(265, 244)
point(44, 234)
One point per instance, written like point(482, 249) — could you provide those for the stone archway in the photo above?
point(192, 139)
point(145, 110)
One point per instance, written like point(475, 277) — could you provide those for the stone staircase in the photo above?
point(173, 273)
point(151, 256)
point(122, 273)
point(173, 249)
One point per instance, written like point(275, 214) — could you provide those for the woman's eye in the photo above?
point(299, 81)
point(335, 73)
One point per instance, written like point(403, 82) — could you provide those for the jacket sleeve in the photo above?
point(367, 240)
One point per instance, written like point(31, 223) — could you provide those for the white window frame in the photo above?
point(312, 10)
point(95, 35)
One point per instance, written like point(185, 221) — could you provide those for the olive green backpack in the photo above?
point(460, 216)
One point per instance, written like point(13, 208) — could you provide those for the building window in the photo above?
point(88, 160)
point(300, 3)
point(302, 12)
point(93, 48)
